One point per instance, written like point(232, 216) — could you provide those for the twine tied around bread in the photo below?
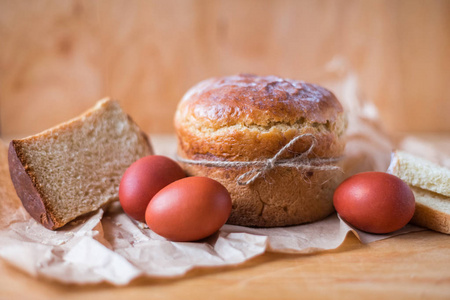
point(261, 167)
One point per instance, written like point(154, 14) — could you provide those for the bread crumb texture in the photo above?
point(430, 184)
point(420, 173)
point(77, 166)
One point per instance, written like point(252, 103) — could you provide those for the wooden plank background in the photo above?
point(58, 57)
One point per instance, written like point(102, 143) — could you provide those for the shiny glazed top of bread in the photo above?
point(248, 117)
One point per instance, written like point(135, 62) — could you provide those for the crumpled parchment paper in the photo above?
point(107, 246)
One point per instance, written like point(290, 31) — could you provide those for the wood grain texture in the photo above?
point(58, 57)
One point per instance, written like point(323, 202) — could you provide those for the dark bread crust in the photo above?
point(27, 189)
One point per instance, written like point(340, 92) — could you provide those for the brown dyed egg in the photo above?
point(143, 179)
point(189, 209)
point(375, 202)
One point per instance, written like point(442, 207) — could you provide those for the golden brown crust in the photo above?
point(27, 189)
point(256, 100)
point(430, 218)
point(282, 197)
point(248, 118)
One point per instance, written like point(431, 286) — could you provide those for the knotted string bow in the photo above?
point(261, 167)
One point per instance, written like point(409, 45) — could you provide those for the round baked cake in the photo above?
point(274, 143)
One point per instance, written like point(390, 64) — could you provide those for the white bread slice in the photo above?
point(430, 184)
point(420, 172)
point(75, 168)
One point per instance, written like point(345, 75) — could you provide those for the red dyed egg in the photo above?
point(375, 202)
point(189, 209)
point(143, 179)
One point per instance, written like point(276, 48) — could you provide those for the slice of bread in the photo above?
point(430, 184)
point(75, 168)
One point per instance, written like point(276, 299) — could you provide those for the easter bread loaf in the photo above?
point(268, 141)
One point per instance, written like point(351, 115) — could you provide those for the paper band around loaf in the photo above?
point(261, 167)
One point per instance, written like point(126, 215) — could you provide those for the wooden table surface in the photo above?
point(411, 266)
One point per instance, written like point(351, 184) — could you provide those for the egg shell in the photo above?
point(143, 179)
point(189, 209)
point(375, 202)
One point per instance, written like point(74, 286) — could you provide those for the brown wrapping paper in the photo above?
point(107, 246)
